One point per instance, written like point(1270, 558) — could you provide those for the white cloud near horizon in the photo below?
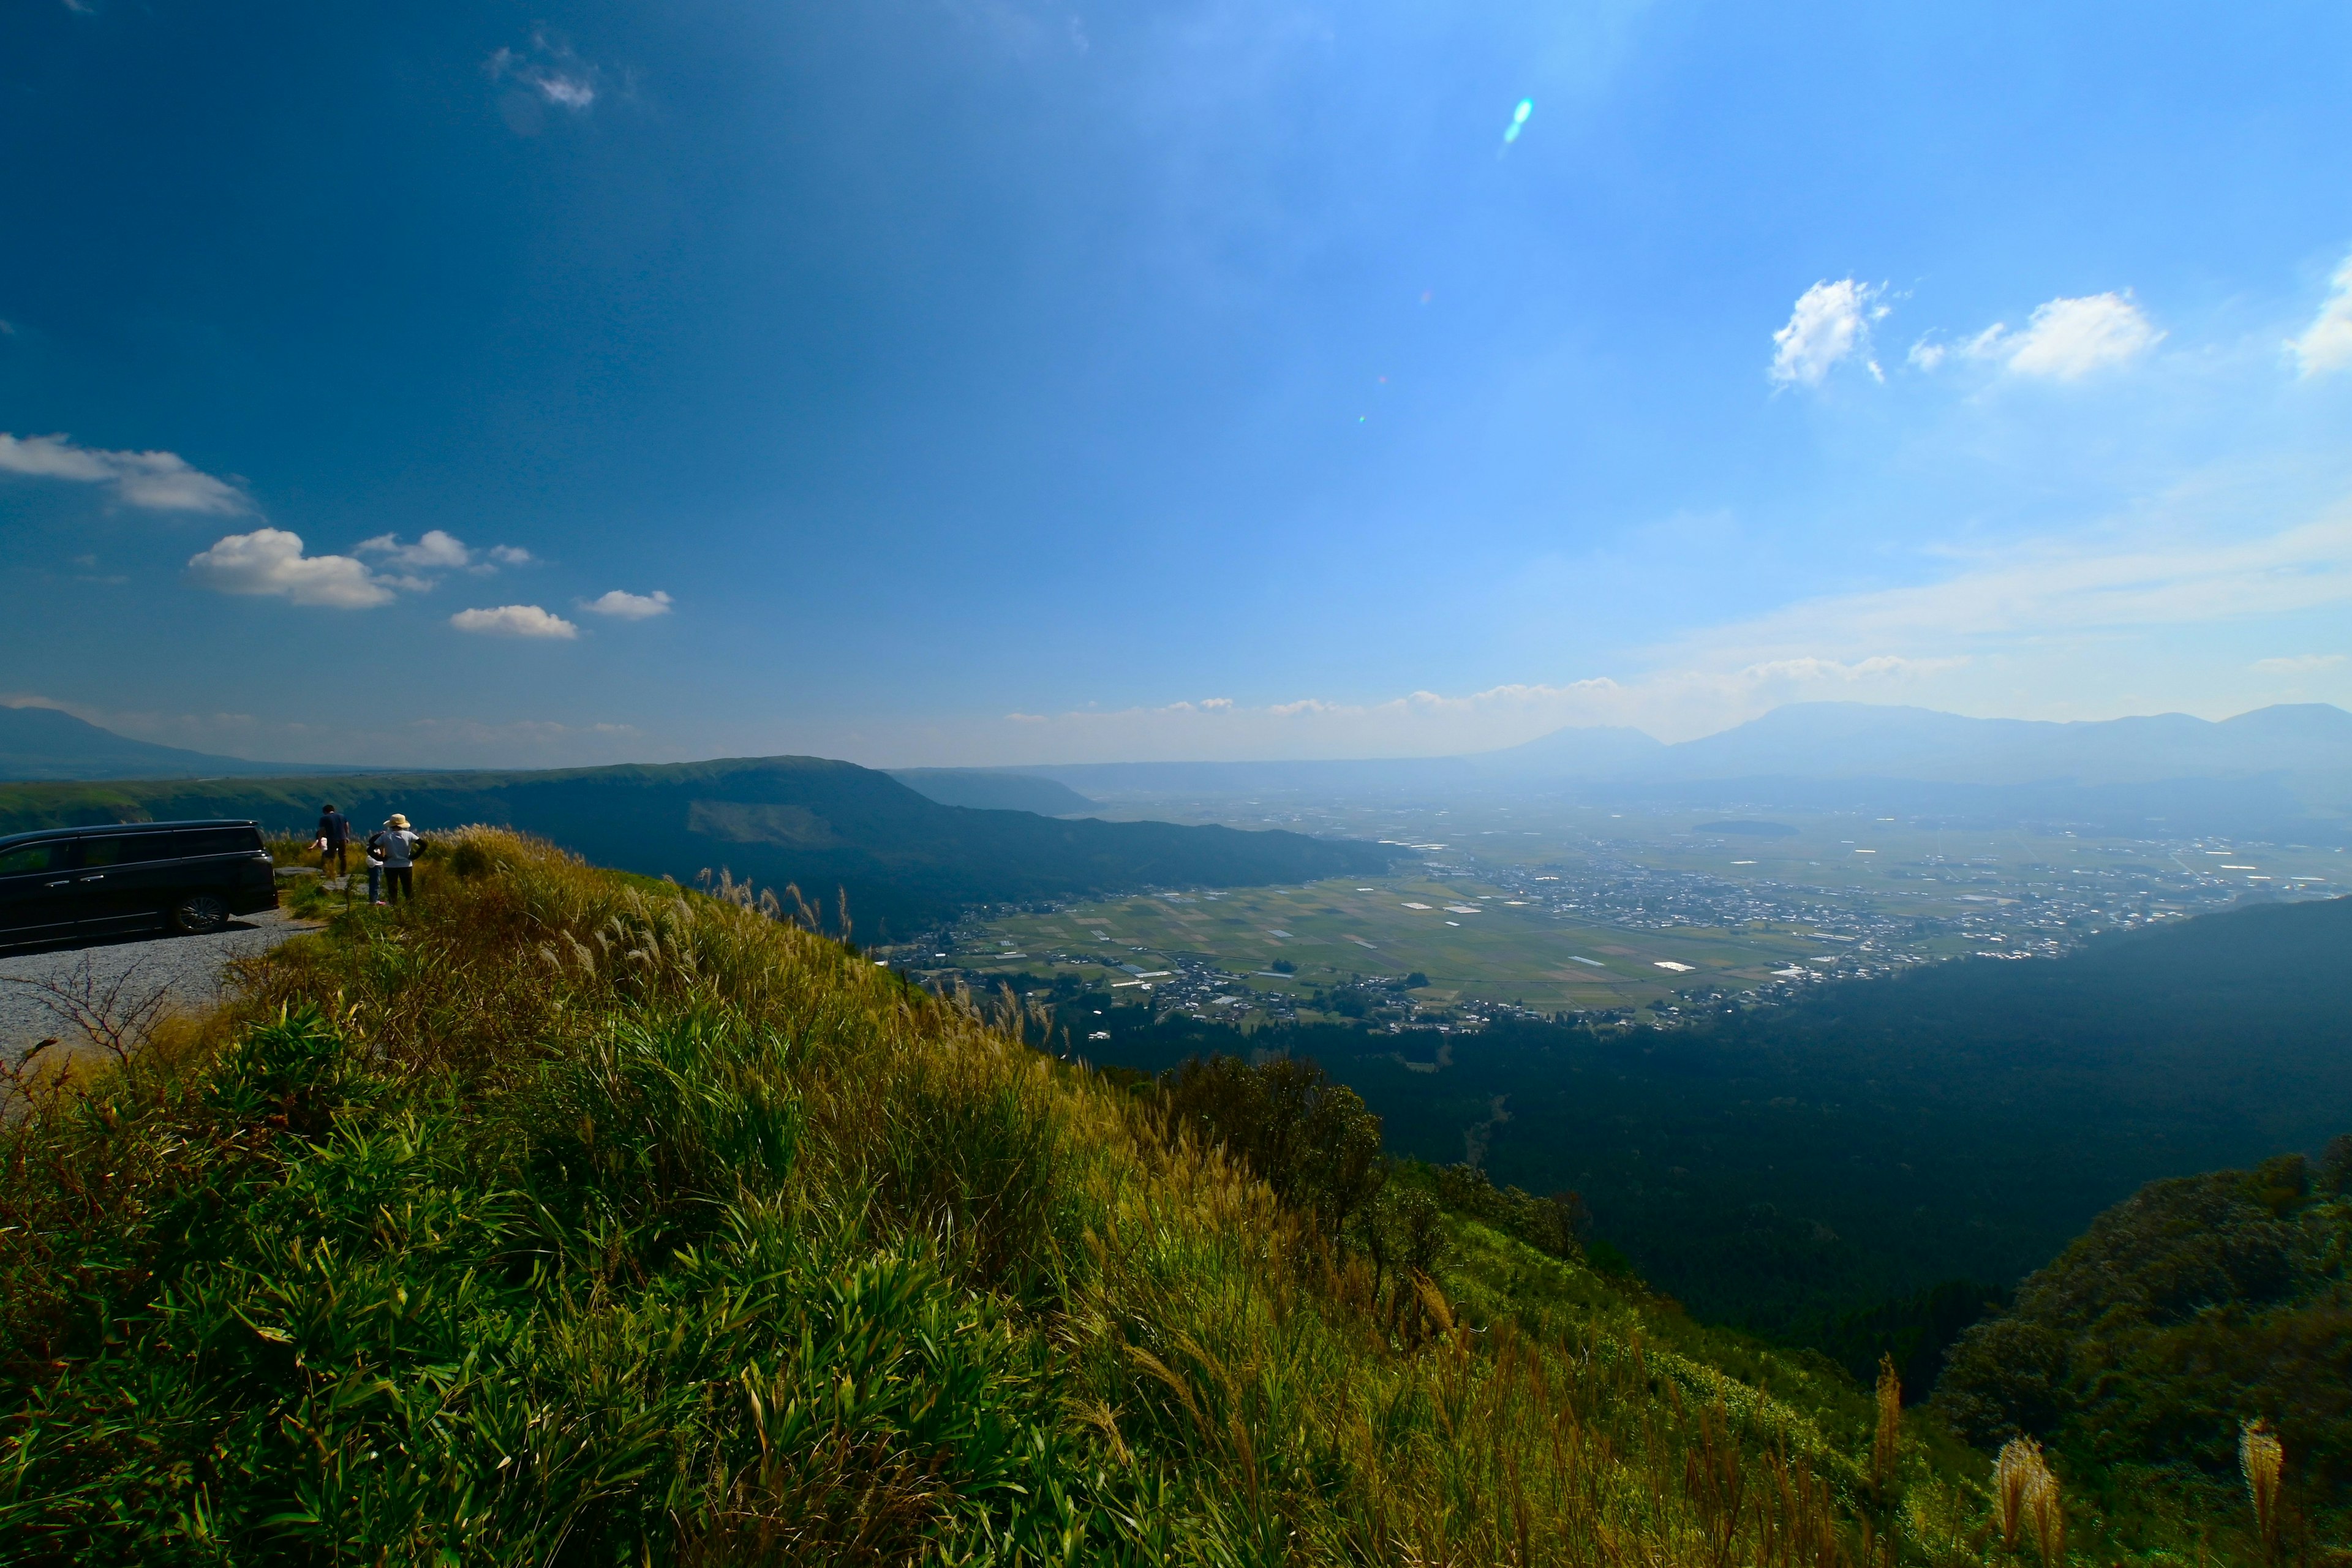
point(2327, 344)
point(1935, 643)
point(1830, 323)
point(624, 605)
point(1669, 704)
point(2052, 588)
point(515, 621)
point(270, 560)
point(157, 481)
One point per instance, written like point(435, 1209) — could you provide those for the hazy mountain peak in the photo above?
point(51, 743)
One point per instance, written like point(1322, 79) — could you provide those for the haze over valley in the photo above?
point(990, 782)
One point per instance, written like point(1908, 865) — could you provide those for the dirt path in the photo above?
point(121, 980)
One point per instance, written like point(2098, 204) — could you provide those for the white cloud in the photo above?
point(436, 551)
point(158, 481)
point(627, 606)
point(441, 551)
point(2066, 339)
point(1926, 353)
point(1830, 323)
point(550, 69)
point(514, 621)
point(2300, 664)
point(270, 560)
point(2327, 343)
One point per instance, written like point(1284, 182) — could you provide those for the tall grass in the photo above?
point(564, 1218)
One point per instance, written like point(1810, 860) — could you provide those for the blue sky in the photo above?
point(942, 381)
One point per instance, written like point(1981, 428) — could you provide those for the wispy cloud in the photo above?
point(2059, 587)
point(2300, 664)
point(1830, 323)
point(439, 551)
point(1947, 642)
point(626, 606)
point(2064, 339)
point(515, 621)
point(270, 560)
point(436, 551)
point(158, 481)
point(1671, 702)
point(2327, 343)
point(2068, 338)
point(548, 68)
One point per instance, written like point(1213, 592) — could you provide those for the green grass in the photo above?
point(555, 1219)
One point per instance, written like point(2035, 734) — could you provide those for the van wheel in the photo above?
point(199, 913)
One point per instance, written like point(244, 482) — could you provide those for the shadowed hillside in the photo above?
point(828, 827)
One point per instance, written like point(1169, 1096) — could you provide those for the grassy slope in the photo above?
point(903, 860)
point(552, 1220)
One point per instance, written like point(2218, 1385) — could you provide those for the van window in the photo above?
point(127, 848)
point(219, 841)
point(27, 858)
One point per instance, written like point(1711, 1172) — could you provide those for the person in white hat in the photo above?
point(393, 847)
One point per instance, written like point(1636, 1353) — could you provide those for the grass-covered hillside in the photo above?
point(903, 860)
point(2196, 1307)
point(565, 1218)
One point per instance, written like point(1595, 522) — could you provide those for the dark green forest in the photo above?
point(1867, 1168)
point(2198, 1306)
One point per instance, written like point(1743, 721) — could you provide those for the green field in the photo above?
point(1333, 930)
point(1894, 890)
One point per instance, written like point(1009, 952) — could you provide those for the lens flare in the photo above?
point(1518, 121)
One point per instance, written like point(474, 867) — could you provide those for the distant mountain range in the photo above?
point(44, 743)
point(1857, 739)
point(904, 861)
point(38, 743)
point(2279, 770)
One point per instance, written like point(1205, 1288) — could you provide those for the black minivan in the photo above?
point(72, 881)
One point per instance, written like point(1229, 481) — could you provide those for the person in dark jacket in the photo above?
point(334, 839)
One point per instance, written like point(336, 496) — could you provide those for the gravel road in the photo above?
point(124, 976)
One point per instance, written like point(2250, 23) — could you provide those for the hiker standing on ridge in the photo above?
point(395, 848)
point(334, 839)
